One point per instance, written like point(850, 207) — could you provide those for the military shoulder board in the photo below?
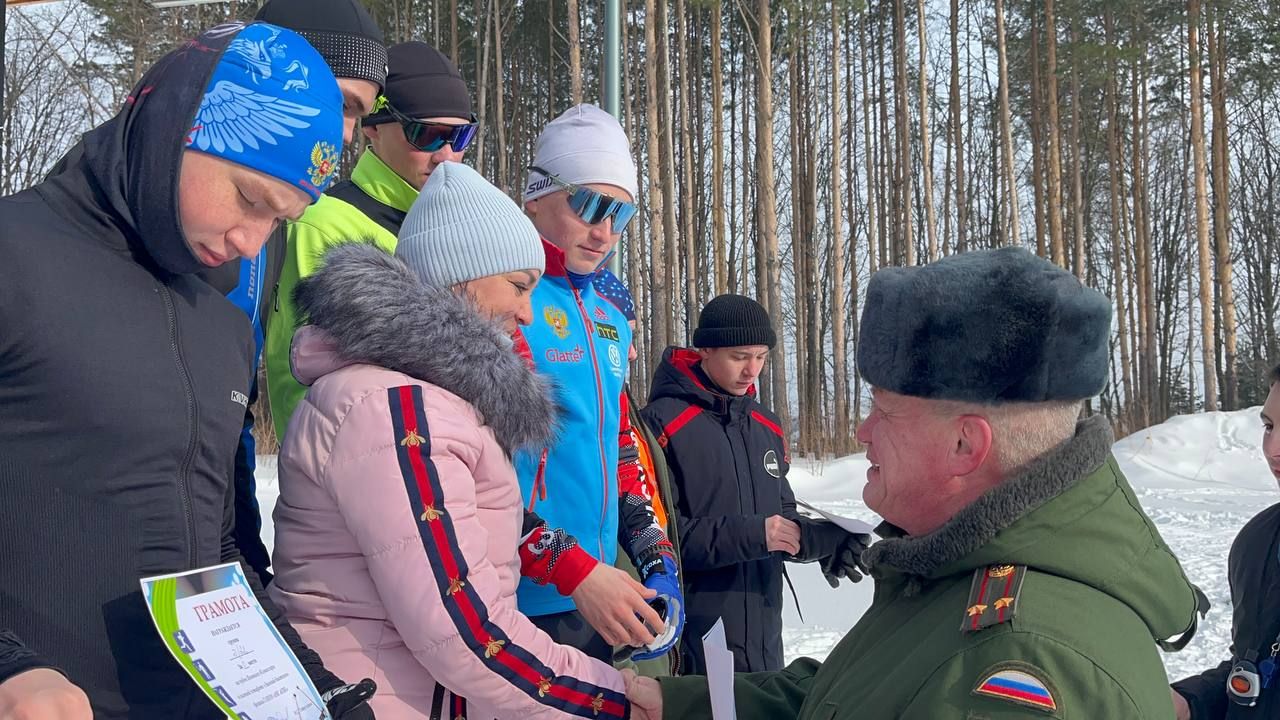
point(993, 596)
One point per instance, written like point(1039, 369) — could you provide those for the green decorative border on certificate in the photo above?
point(163, 603)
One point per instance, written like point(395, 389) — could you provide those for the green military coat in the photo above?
point(1046, 598)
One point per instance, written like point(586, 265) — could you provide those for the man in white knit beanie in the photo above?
point(581, 195)
point(584, 148)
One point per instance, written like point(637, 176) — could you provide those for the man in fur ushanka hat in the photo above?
point(1017, 576)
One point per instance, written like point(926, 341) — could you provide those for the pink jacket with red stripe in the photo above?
point(399, 518)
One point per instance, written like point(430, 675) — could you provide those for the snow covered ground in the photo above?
point(1200, 477)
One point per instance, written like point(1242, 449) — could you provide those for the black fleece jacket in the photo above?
point(1254, 573)
point(122, 380)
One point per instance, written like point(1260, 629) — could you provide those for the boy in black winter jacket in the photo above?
point(1248, 685)
point(736, 512)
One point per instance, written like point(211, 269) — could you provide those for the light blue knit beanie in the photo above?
point(463, 228)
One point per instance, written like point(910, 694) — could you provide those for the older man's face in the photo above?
point(907, 446)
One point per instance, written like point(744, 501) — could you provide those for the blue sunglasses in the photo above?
point(430, 136)
point(593, 207)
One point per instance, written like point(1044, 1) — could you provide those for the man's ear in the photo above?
point(973, 444)
point(370, 131)
point(531, 208)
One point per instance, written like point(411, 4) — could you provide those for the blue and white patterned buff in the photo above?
point(608, 285)
point(273, 105)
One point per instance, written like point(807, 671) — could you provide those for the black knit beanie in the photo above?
point(423, 83)
point(733, 321)
point(342, 31)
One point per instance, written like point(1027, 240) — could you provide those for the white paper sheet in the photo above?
point(719, 673)
point(858, 527)
point(214, 627)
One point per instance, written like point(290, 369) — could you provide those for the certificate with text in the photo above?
point(216, 630)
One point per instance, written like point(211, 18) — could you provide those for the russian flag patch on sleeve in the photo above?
point(1017, 683)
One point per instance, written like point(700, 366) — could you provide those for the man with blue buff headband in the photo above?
point(123, 375)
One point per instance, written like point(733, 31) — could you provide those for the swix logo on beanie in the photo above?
point(537, 185)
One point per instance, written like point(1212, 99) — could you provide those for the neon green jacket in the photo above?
point(1046, 598)
point(328, 222)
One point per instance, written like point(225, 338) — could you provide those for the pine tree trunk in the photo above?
point(1208, 334)
point(840, 432)
point(482, 80)
point(889, 197)
point(1006, 134)
point(1037, 135)
point(575, 52)
point(807, 278)
point(813, 286)
point(926, 151)
point(1077, 151)
point(1057, 248)
point(717, 151)
point(552, 66)
point(868, 149)
point(661, 291)
point(1115, 172)
point(1142, 254)
point(692, 300)
point(906, 253)
point(666, 147)
point(851, 187)
point(957, 129)
point(501, 150)
point(798, 241)
point(1221, 207)
point(453, 32)
point(767, 203)
point(733, 241)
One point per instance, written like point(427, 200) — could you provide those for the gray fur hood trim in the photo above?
point(976, 525)
point(377, 312)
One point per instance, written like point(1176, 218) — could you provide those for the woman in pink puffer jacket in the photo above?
point(400, 516)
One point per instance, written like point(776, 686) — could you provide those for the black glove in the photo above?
point(351, 702)
point(818, 539)
point(846, 561)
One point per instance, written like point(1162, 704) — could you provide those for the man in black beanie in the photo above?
point(736, 512)
point(351, 43)
point(422, 119)
point(1018, 576)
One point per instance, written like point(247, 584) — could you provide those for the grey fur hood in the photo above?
point(372, 309)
